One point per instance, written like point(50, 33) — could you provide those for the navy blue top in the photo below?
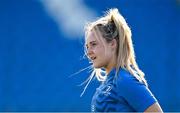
point(123, 93)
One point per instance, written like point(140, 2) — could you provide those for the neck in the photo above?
point(108, 70)
point(110, 66)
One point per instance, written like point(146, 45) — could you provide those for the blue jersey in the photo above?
point(123, 93)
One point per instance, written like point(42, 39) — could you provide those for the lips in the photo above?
point(93, 58)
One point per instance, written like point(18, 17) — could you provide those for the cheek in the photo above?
point(100, 50)
point(107, 51)
point(109, 54)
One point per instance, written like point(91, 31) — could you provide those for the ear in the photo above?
point(113, 44)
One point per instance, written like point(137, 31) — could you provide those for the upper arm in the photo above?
point(136, 94)
point(154, 108)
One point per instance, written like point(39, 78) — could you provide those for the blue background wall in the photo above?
point(39, 51)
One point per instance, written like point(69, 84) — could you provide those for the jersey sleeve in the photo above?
point(137, 95)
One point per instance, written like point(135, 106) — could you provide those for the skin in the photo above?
point(154, 108)
point(102, 55)
point(103, 52)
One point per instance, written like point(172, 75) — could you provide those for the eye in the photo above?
point(87, 47)
point(93, 44)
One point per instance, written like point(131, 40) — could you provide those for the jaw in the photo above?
point(110, 65)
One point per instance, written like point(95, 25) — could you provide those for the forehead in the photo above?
point(93, 36)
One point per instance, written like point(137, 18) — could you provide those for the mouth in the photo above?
point(93, 58)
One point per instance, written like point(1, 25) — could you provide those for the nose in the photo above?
point(89, 51)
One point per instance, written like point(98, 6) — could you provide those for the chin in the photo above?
point(97, 66)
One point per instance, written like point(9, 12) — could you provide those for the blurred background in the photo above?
point(41, 46)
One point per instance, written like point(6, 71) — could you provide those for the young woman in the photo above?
point(123, 87)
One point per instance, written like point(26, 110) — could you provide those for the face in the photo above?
point(98, 50)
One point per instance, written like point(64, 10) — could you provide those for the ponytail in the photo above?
point(125, 53)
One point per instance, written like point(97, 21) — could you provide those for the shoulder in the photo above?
point(127, 83)
point(135, 93)
point(125, 78)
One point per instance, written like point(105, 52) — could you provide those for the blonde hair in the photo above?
point(122, 33)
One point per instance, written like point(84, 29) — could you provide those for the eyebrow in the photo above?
point(90, 43)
